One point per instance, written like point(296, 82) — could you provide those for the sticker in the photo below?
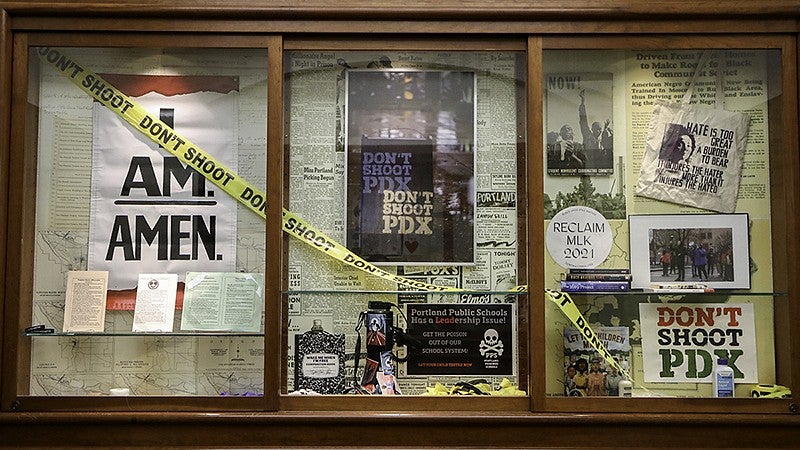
point(579, 237)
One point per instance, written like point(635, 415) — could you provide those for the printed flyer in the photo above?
point(461, 339)
point(579, 102)
point(694, 156)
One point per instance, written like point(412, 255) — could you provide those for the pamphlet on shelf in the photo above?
point(222, 301)
point(85, 302)
point(155, 302)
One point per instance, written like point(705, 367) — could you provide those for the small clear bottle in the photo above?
point(625, 386)
point(723, 379)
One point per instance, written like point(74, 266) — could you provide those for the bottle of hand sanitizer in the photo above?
point(723, 379)
point(625, 387)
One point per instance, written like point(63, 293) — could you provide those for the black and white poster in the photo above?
point(150, 213)
point(580, 136)
point(411, 166)
point(461, 339)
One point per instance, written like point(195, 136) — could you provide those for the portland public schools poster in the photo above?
point(461, 339)
point(149, 212)
point(410, 143)
point(683, 342)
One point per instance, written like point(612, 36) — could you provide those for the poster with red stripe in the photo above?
point(150, 213)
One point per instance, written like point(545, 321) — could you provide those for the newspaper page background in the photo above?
point(639, 78)
point(316, 92)
point(148, 365)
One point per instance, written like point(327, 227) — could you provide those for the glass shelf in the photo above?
point(723, 293)
point(359, 292)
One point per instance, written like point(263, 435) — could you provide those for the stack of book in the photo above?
point(596, 280)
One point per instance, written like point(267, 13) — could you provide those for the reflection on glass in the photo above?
point(110, 199)
point(410, 159)
point(616, 93)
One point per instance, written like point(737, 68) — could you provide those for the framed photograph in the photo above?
point(712, 249)
point(410, 166)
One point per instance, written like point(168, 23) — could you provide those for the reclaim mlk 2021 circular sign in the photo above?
point(579, 237)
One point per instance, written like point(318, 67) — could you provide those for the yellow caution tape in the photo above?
point(477, 387)
point(302, 230)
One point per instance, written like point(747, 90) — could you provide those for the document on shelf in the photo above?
point(222, 301)
point(85, 302)
point(155, 302)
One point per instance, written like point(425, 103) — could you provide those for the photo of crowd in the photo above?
point(691, 254)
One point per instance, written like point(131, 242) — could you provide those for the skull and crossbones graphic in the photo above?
point(491, 346)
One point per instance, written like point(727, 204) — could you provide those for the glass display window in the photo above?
point(146, 171)
point(663, 206)
point(411, 162)
point(407, 261)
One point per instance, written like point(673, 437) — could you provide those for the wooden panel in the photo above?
point(673, 405)
point(16, 351)
point(284, 203)
point(403, 403)
point(26, 404)
point(524, 304)
point(535, 207)
point(788, 356)
point(443, 9)
point(274, 283)
point(148, 40)
point(5, 127)
point(661, 42)
point(347, 25)
point(427, 430)
point(407, 43)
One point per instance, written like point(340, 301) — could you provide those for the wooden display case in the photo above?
point(538, 38)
